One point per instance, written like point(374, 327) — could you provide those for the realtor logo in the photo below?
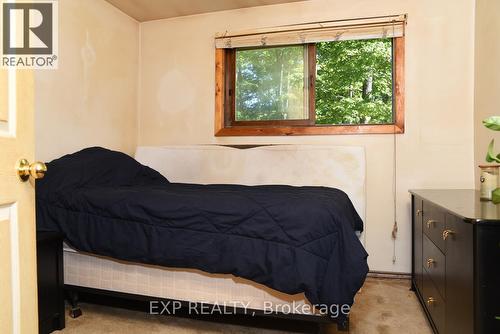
point(29, 34)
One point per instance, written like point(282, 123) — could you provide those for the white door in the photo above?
point(18, 289)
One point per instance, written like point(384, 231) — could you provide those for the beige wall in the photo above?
point(95, 96)
point(92, 98)
point(176, 100)
point(487, 77)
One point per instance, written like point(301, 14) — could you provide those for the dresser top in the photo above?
point(462, 202)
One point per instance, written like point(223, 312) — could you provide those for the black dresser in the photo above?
point(50, 281)
point(456, 260)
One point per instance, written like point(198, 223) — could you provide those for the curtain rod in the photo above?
point(401, 17)
point(395, 18)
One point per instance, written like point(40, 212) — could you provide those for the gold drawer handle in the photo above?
point(419, 212)
point(430, 262)
point(447, 233)
point(431, 301)
point(430, 222)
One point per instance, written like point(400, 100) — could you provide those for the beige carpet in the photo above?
point(383, 306)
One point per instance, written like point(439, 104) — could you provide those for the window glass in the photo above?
point(270, 84)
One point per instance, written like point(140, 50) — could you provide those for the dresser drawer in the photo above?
point(434, 224)
point(434, 263)
point(434, 304)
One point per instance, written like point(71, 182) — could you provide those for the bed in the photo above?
point(127, 221)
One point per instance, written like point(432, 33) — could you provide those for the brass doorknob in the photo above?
point(431, 301)
point(36, 170)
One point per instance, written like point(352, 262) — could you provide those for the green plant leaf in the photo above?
point(495, 196)
point(492, 123)
point(490, 156)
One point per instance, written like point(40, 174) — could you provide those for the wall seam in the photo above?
point(139, 88)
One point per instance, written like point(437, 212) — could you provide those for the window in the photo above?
point(324, 87)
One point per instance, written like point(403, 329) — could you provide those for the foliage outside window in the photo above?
point(350, 86)
point(354, 82)
point(270, 84)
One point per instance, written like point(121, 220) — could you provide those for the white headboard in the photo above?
point(340, 167)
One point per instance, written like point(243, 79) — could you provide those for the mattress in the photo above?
point(189, 285)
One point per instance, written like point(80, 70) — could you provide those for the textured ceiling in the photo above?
point(146, 10)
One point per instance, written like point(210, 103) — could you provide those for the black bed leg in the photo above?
point(75, 310)
point(343, 324)
point(326, 328)
point(340, 325)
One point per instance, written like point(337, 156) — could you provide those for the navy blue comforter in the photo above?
point(292, 239)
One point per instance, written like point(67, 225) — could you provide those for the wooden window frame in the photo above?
point(226, 125)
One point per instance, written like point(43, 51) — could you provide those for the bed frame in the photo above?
point(236, 316)
point(96, 279)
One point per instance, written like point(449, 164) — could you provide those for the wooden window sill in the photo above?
point(308, 130)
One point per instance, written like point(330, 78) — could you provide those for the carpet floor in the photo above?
point(383, 306)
